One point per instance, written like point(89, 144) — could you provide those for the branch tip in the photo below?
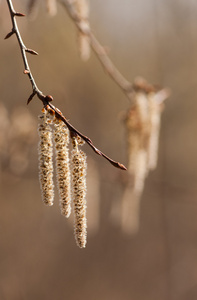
point(17, 14)
point(31, 51)
point(31, 96)
point(122, 167)
point(9, 35)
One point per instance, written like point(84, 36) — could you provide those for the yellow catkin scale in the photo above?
point(79, 167)
point(61, 139)
point(45, 153)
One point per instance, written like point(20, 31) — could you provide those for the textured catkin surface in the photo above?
point(79, 196)
point(61, 139)
point(45, 156)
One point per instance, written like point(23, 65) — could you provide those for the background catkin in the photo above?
point(79, 196)
point(51, 6)
point(45, 154)
point(155, 120)
point(138, 134)
point(142, 124)
point(61, 138)
point(82, 7)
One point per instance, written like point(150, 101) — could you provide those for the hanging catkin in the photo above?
point(79, 195)
point(155, 119)
point(45, 153)
point(61, 139)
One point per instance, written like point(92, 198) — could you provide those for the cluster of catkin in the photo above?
point(70, 173)
point(142, 128)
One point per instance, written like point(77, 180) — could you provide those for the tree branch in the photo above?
point(129, 89)
point(100, 52)
point(23, 48)
point(46, 100)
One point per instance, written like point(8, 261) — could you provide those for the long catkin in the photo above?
point(45, 154)
point(79, 196)
point(61, 139)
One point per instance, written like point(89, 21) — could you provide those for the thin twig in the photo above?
point(46, 100)
point(23, 48)
point(100, 52)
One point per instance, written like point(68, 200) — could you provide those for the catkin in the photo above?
point(51, 6)
point(140, 172)
point(138, 133)
point(45, 153)
point(82, 7)
point(79, 196)
point(142, 124)
point(130, 211)
point(137, 168)
point(133, 128)
point(142, 107)
point(61, 138)
point(155, 119)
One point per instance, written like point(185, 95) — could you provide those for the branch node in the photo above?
point(26, 71)
point(48, 98)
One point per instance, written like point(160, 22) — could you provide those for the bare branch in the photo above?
point(23, 49)
point(46, 100)
point(127, 87)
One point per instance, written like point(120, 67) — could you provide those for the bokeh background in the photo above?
point(39, 259)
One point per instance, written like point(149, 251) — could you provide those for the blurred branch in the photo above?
point(99, 50)
point(46, 100)
point(129, 89)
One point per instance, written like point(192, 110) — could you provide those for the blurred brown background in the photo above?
point(39, 259)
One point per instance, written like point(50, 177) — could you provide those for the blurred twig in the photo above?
point(46, 100)
point(99, 50)
point(127, 87)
